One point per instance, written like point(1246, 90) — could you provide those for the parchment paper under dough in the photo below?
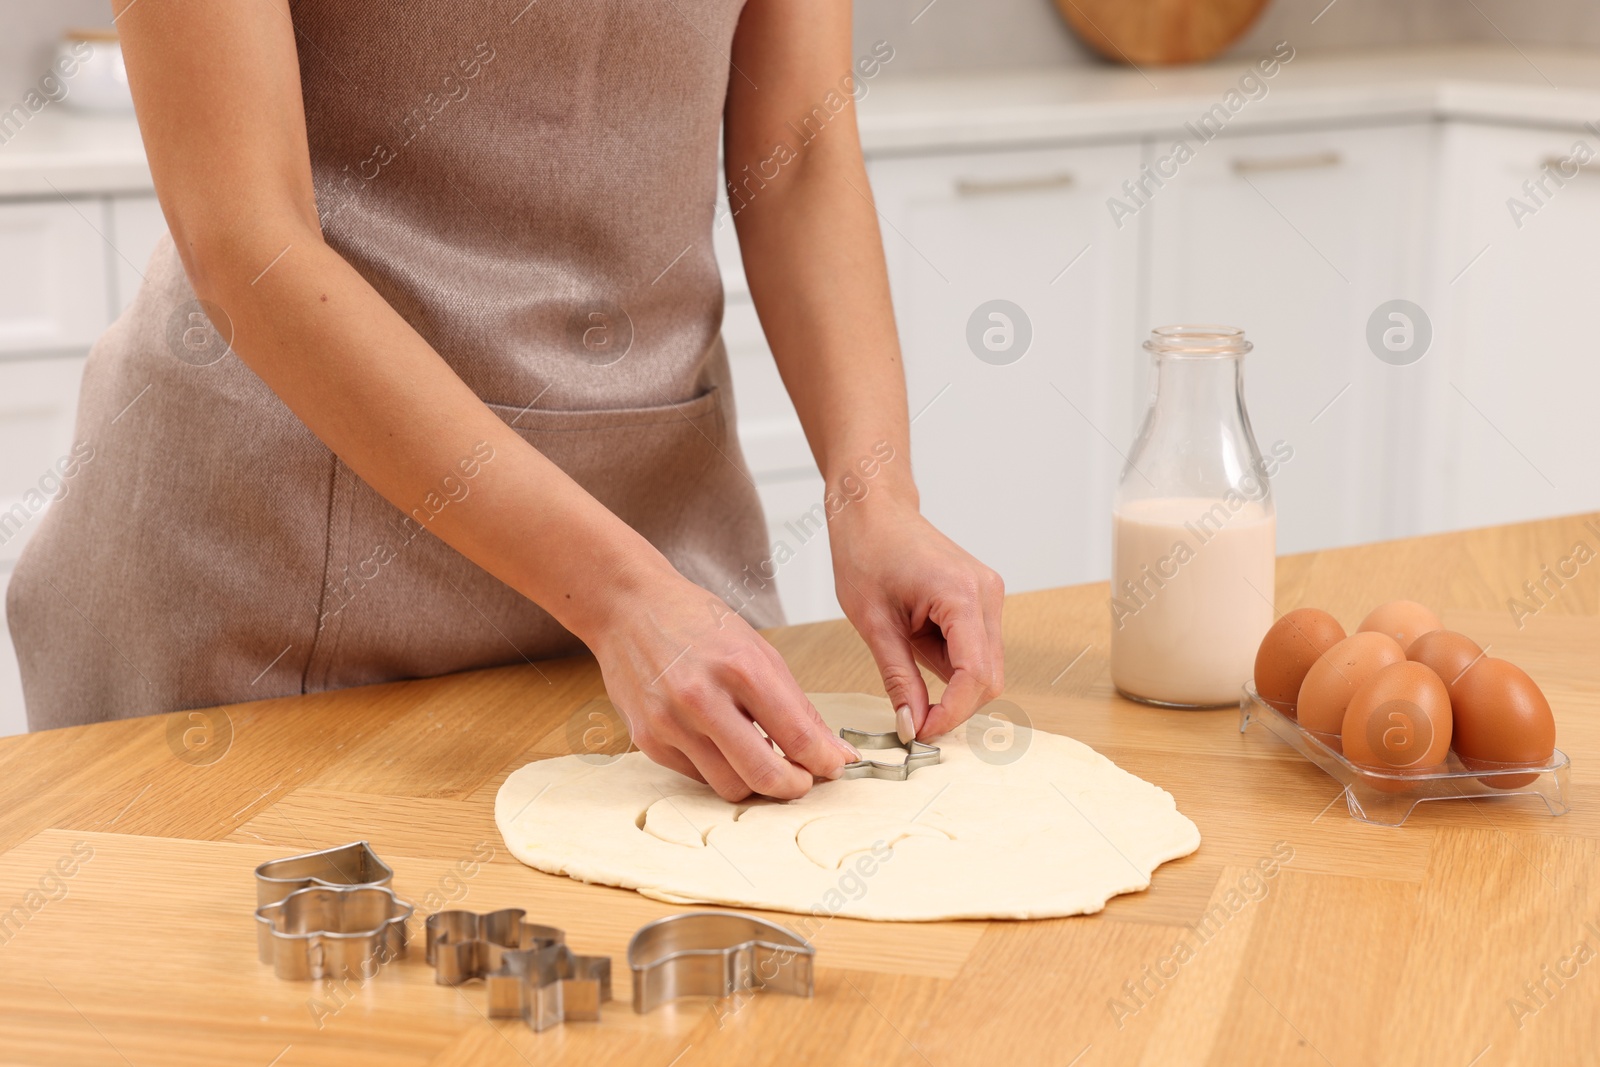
point(1059, 831)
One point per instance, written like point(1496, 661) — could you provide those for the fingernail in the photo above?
point(904, 726)
point(846, 747)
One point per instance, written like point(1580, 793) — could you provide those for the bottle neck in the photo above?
point(1207, 387)
point(1196, 440)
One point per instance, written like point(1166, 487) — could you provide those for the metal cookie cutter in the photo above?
point(463, 945)
point(716, 953)
point(528, 969)
point(333, 931)
point(548, 985)
point(347, 865)
point(918, 755)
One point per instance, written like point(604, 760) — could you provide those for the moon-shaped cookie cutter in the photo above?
point(716, 954)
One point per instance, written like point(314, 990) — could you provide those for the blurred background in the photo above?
point(1397, 200)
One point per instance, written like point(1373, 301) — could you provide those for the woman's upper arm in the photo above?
point(795, 59)
point(217, 90)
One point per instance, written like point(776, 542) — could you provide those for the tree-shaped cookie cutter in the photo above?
point(527, 968)
point(918, 755)
point(333, 931)
point(716, 954)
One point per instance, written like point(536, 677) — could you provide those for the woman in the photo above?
point(468, 404)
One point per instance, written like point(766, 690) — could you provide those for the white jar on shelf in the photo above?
point(99, 77)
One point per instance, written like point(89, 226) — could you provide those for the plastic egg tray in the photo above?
point(1387, 798)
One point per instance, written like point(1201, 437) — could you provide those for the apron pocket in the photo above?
point(662, 470)
point(535, 420)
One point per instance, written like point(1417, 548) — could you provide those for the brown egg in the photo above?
point(1501, 717)
point(1399, 721)
point(1337, 674)
point(1288, 651)
point(1446, 652)
point(1403, 620)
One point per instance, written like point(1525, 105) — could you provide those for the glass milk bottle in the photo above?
point(1193, 530)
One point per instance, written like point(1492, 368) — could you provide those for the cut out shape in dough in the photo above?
point(832, 839)
point(1057, 831)
point(689, 820)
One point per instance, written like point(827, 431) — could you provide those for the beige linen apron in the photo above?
point(532, 185)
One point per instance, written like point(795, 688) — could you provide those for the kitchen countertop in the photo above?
point(63, 151)
point(1527, 86)
point(1368, 945)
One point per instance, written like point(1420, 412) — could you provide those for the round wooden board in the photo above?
point(1160, 32)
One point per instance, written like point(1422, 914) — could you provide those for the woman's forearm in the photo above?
point(816, 273)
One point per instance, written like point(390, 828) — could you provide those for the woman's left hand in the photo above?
point(915, 595)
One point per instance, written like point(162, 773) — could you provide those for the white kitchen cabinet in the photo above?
point(1517, 400)
point(1016, 448)
point(1298, 238)
point(769, 429)
point(54, 279)
point(136, 225)
point(805, 577)
point(786, 477)
point(775, 446)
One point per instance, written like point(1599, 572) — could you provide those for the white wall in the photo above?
point(970, 35)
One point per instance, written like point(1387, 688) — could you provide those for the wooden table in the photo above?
point(1424, 944)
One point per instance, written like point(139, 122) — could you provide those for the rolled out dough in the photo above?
point(1059, 830)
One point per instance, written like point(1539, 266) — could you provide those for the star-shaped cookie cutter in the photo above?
point(918, 755)
point(333, 931)
point(527, 968)
point(549, 985)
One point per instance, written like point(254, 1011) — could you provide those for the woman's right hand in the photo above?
point(694, 682)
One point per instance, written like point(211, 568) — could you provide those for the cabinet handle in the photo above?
point(1313, 161)
point(1558, 163)
point(1001, 186)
